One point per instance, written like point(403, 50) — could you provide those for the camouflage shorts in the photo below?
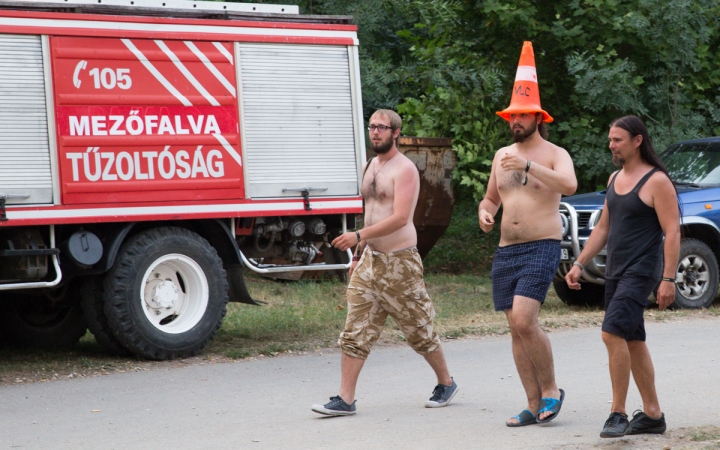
point(388, 284)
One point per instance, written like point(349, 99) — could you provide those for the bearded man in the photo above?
point(386, 275)
point(528, 179)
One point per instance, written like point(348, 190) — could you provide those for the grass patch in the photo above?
point(704, 434)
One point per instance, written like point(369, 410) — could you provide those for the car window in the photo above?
point(693, 163)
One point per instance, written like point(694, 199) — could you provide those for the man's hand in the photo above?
point(665, 294)
point(573, 278)
point(486, 220)
point(345, 241)
point(511, 161)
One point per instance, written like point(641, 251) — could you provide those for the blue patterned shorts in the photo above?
point(525, 269)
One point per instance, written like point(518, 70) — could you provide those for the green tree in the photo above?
point(447, 66)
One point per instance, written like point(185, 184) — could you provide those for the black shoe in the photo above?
point(335, 407)
point(641, 423)
point(615, 426)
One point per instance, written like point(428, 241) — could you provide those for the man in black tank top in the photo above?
point(641, 208)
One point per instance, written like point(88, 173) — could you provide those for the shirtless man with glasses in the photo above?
point(386, 276)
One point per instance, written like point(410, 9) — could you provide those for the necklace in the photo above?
point(375, 173)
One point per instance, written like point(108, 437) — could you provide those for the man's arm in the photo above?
point(489, 205)
point(405, 186)
point(665, 203)
point(560, 178)
point(596, 242)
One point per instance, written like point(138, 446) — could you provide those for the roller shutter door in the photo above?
point(24, 151)
point(297, 119)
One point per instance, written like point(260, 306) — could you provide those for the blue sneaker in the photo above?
point(335, 407)
point(442, 395)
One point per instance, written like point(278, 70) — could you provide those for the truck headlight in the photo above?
point(565, 225)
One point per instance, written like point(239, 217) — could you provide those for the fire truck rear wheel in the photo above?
point(166, 294)
point(97, 322)
point(39, 321)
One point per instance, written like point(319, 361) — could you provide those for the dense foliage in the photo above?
point(448, 65)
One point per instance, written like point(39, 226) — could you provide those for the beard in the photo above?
point(618, 161)
point(519, 135)
point(383, 146)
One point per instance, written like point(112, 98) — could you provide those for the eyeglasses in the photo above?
point(380, 128)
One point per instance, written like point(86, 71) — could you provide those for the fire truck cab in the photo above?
point(152, 151)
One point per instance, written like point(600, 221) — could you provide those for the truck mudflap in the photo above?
point(238, 289)
point(571, 248)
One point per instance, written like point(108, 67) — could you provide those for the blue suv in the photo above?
point(694, 167)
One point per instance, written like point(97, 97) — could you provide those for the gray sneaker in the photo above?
point(442, 395)
point(335, 407)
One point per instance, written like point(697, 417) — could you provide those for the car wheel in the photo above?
point(696, 277)
point(166, 294)
point(590, 294)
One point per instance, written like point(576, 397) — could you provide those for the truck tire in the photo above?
point(38, 321)
point(93, 309)
point(589, 295)
point(698, 271)
point(166, 294)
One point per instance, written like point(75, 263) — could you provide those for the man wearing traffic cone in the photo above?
point(528, 179)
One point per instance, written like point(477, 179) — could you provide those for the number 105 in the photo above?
point(110, 78)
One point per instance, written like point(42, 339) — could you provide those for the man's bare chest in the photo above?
point(513, 181)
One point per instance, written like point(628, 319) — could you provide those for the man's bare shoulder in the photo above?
point(406, 166)
point(660, 180)
point(556, 149)
point(502, 151)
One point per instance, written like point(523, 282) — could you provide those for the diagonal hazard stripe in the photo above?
point(211, 67)
point(221, 48)
point(229, 148)
point(158, 76)
point(187, 73)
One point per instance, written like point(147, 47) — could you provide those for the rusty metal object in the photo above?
point(435, 161)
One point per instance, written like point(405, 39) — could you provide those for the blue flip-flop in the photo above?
point(524, 418)
point(550, 404)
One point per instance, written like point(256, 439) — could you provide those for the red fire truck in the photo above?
point(151, 151)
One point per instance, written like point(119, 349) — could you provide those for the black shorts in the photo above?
point(525, 269)
point(625, 302)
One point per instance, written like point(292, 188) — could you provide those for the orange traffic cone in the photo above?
point(526, 95)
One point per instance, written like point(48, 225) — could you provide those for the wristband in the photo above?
point(356, 258)
point(357, 233)
point(672, 280)
point(579, 264)
point(527, 169)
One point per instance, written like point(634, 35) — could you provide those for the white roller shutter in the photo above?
point(24, 151)
point(297, 120)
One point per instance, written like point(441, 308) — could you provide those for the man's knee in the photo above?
point(523, 324)
point(612, 339)
point(425, 344)
point(353, 349)
point(357, 342)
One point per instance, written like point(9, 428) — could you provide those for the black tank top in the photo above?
point(635, 237)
